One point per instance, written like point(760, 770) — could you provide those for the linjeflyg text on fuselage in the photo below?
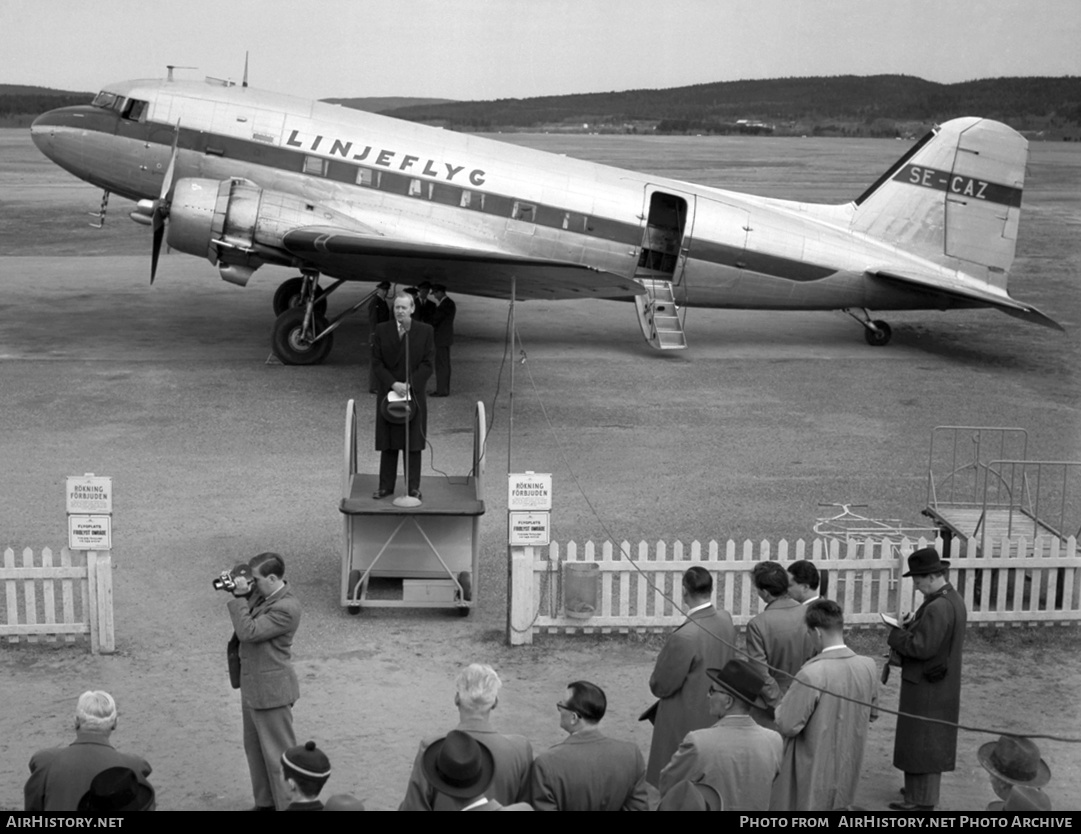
point(383, 157)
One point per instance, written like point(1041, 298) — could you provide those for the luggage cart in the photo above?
point(848, 525)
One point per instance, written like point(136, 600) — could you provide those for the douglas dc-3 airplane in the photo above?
point(246, 178)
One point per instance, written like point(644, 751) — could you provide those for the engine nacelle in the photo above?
point(238, 226)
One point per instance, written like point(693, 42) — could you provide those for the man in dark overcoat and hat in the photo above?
point(395, 340)
point(929, 646)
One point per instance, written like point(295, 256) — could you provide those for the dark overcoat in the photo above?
point(442, 319)
point(388, 362)
point(930, 643)
point(378, 312)
point(704, 641)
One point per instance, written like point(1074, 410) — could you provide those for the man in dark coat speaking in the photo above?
point(394, 340)
point(929, 646)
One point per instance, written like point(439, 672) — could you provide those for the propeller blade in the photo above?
point(160, 209)
point(158, 221)
point(167, 183)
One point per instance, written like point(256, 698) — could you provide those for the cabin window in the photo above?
point(526, 212)
point(365, 177)
point(574, 222)
point(134, 110)
point(316, 166)
point(416, 188)
point(445, 194)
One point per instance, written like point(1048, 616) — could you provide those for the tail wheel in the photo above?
point(295, 346)
point(290, 293)
point(878, 333)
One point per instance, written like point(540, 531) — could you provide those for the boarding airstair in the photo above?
point(659, 316)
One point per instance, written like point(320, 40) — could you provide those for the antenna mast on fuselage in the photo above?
point(171, 67)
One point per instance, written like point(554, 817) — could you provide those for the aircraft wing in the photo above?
point(348, 254)
point(1010, 306)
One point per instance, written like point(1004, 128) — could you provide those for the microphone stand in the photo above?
point(407, 500)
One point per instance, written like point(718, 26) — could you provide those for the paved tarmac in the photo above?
point(217, 455)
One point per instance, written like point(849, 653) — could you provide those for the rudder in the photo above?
point(955, 198)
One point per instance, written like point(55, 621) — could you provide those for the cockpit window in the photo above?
point(106, 100)
point(134, 109)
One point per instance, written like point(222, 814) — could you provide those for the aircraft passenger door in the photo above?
point(668, 218)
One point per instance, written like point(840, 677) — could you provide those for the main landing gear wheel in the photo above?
point(290, 294)
point(293, 345)
point(878, 333)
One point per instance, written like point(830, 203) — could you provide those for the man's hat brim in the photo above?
point(938, 567)
point(459, 790)
point(757, 702)
point(1043, 772)
point(396, 409)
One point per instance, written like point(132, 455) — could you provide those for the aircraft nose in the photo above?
point(48, 129)
point(41, 133)
point(65, 134)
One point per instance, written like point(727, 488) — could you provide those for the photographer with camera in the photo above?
point(265, 617)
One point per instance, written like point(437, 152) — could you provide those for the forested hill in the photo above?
point(1025, 103)
point(20, 104)
point(881, 105)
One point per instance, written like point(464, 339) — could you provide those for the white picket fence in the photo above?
point(58, 601)
point(606, 588)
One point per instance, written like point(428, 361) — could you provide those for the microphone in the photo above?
point(405, 325)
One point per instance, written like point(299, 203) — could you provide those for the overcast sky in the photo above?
point(483, 49)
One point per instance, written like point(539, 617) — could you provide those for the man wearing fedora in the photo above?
point(1017, 774)
point(705, 640)
point(477, 694)
point(403, 353)
point(736, 756)
point(825, 735)
point(929, 646)
point(461, 768)
point(588, 771)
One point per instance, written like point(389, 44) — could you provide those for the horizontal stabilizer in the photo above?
point(980, 296)
point(359, 257)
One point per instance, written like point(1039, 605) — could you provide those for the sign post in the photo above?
point(529, 511)
point(90, 529)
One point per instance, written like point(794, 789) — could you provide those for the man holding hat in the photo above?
point(929, 645)
point(461, 768)
point(1017, 773)
point(403, 352)
point(735, 756)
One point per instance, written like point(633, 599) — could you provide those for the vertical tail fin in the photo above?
point(954, 199)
